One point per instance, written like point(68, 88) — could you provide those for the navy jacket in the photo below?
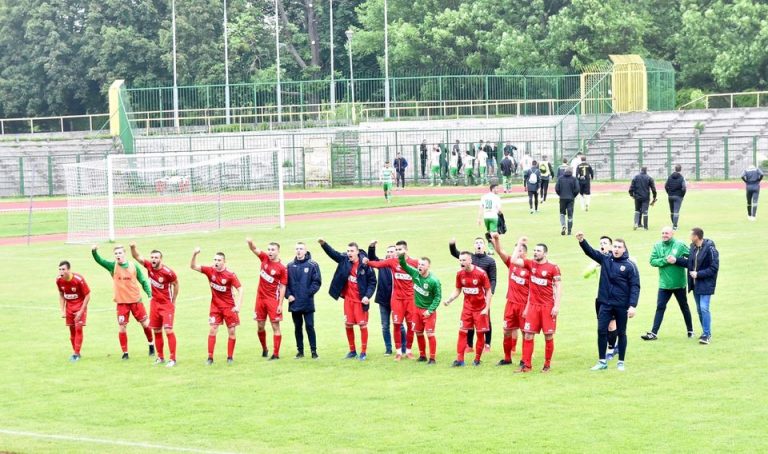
point(384, 286)
point(400, 164)
point(642, 186)
point(303, 282)
point(706, 262)
point(619, 278)
point(366, 278)
point(567, 187)
point(675, 185)
point(506, 166)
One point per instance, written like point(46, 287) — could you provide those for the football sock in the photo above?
point(398, 337)
point(549, 349)
point(351, 338)
point(78, 342)
point(513, 342)
point(172, 344)
point(148, 334)
point(432, 347)
point(612, 335)
point(123, 341)
point(479, 346)
point(211, 345)
point(363, 339)
point(507, 348)
point(409, 339)
point(72, 336)
point(159, 344)
point(527, 352)
point(231, 347)
point(422, 344)
point(276, 339)
point(461, 345)
point(263, 340)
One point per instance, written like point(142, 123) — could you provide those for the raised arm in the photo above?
point(193, 263)
point(413, 272)
point(452, 248)
point(135, 254)
point(330, 252)
point(372, 250)
point(106, 264)
point(496, 240)
point(253, 248)
point(589, 251)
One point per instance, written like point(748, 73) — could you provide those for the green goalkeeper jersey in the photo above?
point(426, 289)
point(386, 174)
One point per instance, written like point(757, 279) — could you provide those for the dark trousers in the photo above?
point(661, 306)
point(752, 196)
point(544, 188)
point(675, 202)
point(423, 166)
point(308, 319)
point(471, 335)
point(533, 199)
point(641, 212)
point(400, 181)
point(605, 314)
point(386, 312)
point(566, 213)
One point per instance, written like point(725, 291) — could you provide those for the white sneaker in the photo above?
point(601, 365)
point(171, 363)
point(159, 361)
point(620, 366)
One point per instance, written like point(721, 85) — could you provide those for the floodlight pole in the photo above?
point(349, 34)
point(175, 85)
point(333, 81)
point(277, 51)
point(226, 65)
point(386, 62)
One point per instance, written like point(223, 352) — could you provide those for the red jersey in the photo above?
point(221, 286)
point(74, 290)
point(517, 292)
point(272, 274)
point(474, 284)
point(543, 275)
point(402, 283)
point(160, 280)
point(350, 288)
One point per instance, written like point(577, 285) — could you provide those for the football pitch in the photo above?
point(675, 396)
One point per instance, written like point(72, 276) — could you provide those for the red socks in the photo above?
point(549, 349)
point(172, 345)
point(527, 352)
point(422, 344)
point(508, 348)
point(409, 339)
point(432, 347)
point(148, 334)
point(72, 336)
point(211, 345)
point(123, 341)
point(363, 338)
point(398, 337)
point(159, 344)
point(514, 343)
point(351, 338)
point(276, 339)
point(78, 340)
point(479, 346)
point(231, 347)
point(263, 340)
point(461, 345)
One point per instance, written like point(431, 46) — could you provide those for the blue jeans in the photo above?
point(702, 307)
point(386, 313)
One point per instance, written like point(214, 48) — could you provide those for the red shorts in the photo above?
point(125, 310)
point(403, 310)
point(513, 316)
point(217, 315)
point(423, 322)
point(161, 315)
point(70, 316)
point(473, 320)
point(354, 313)
point(267, 308)
point(539, 319)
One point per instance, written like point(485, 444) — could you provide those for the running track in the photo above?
point(332, 194)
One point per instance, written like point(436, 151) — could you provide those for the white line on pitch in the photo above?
point(106, 442)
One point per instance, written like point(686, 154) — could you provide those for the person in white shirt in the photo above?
point(490, 208)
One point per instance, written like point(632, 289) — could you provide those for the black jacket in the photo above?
point(675, 185)
point(619, 278)
point(532, 187)
point(506, 166)
point(706, 262)
point(304, 281)
point(366, 278)
point(384, 286)
point(642, 186)
point(483, 261)
point(567, 187)
point(585, 172)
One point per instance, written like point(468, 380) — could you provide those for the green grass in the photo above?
point(676, 395)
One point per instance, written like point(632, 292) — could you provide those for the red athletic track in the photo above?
point(331, 194)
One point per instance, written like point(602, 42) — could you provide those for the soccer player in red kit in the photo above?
point(543, 305)
point(476, 287)
point(403, 303)
point(517, 296)
point(225, 306)
point(162, 306)
point(74, 296)
point(273, 277)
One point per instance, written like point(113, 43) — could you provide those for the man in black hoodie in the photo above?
point(567, 188)
point(640, 189)
point(676, 188)
point(303, 282)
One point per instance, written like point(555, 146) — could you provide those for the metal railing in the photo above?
point(728, 100)
point(64, 123)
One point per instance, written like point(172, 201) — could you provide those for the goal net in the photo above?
point(162, 193)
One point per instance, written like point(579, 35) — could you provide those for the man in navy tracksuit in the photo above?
point(356, 282)
point(303, 282)
point(617, 295)
point(703, 264)
point(384, 297)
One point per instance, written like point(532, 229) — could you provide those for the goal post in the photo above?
point(165, 193)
